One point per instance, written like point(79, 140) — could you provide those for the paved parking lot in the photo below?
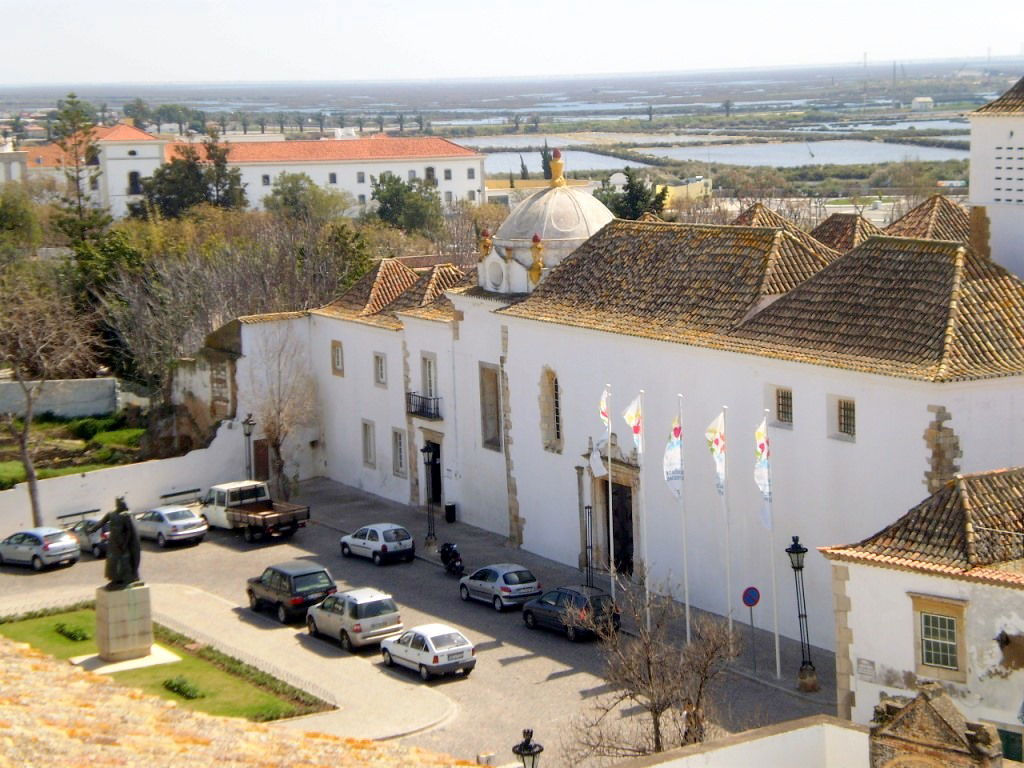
point(523, 679)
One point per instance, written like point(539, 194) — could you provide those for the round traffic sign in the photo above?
point(751, 597)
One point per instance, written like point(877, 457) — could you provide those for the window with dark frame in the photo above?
point(266, 179)
point(784, 405)
point(847, 418)
point(556, 408)
point(332, 178)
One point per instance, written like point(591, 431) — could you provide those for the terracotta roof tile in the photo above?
point(760, 215)
point(122, 132)
point(270, 317)
point(1010, 103)
point(337, 150)
point(973, 527)
point(844, 231)
point(937, 218)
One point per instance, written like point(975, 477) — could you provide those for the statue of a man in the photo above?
point(123, 551)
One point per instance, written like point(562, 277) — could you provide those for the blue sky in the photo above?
point(97, 41)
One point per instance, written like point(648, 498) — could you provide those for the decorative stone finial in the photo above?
point(486, 243)
point(537, 267)
point(557, 169)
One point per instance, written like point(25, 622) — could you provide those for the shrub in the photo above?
point(88, 428)
point(183, 688)
point(76, 634)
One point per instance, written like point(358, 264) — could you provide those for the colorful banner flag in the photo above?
point(715, 435)
point(635, 419)
point(604, 408)
point(762, 471)
point(673, 462)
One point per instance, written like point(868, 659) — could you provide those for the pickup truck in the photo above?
point(246, 504)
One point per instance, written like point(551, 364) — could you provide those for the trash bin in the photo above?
point(449, 513)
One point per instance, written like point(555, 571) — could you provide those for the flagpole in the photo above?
point(643, 515)
point(771, 551)
point(725, 510)
point(682, 509)
point(611, 520)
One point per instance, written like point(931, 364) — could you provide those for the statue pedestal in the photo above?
point(124, 623)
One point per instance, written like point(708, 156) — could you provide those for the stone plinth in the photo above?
point(124, 623)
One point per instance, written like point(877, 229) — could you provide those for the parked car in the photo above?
point(380, 542)
point(170, 524)
point(357, 617)
point(573, 610)
point(430, 649)
point(291, 588)
point(501, 585)
point(40, 547)
point(94, 541)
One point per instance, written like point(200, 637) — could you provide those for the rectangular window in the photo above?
point(1013, 748)
point(332, 178)
point(362, 199)
point(471, 173)
point(448, 196)
point(447, 174)
point(398, 453)
point(784, 406)
point(369, 444)
point(428, 374)
point(337, 359)
point(265, 179)
point(490, 407)
point(938, 641)
point(847, 418)
point(380, 369)
point(939, 650)
point(471, 195)
point(94, 183)
point(412, 175)
point(360, 177)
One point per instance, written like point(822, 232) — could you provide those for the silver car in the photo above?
point(357, 617)
point(170, 524)
point(40, 547)
point(94, 541)
point(501, 585)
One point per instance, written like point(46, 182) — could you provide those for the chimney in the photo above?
point(980, 232)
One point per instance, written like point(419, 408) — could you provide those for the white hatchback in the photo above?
point(431, 649)
point(380, 542)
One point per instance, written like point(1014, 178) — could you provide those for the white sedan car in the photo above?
point(380, 542)
point(170, 524)
point(430, 649)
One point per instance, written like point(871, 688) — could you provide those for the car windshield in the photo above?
point(448, 640)
point(179, 514)
point(519, 577)
point(396, 534)
point(53, 538)
point(311, 582)
point(376, 608)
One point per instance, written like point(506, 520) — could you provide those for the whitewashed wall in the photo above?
point(69, 398)
point(118, 162)
point(141, 484)
point(997, 182)
point(879, 598)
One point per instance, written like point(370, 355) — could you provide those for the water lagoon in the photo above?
point(794, 154)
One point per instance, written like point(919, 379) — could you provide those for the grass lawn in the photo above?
point(127, 438)
point(225, 694)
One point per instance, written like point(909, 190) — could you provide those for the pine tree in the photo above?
point(78, 216)
point(524, 172)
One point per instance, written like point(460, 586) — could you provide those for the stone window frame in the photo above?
point(490, 441)
point(380, 369)
point(369, 437)
point(552, 426)
point(398, 456)
point(946, 607)
point(337, 358)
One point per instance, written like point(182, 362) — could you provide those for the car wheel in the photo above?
point(311, 626)
point(346, 643)
point(282, 614)
point(388, 661)
point(424, 673)
point(254, 602)
point(161, 541)
point(498, 605)
point(1, 560)
point(571, 633)
point(466, 671)
point(345, 551)
point(530, 619)
point(410, 557)
point(72, 561)
point(97, 551)
point(377, 559)
point(249, 534)
point(37, 563)
point(464, 592)
point(197, 541)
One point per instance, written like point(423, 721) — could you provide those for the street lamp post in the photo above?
point(247, 426)
point(807, 678)
point(528, 751)
point(428, 464)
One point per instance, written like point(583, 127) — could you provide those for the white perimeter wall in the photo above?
point(70, 398)
point(827, 491)
point(879, 598)
point(141, 484)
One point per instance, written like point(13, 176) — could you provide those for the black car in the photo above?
point(290, 588)
point(573, 610)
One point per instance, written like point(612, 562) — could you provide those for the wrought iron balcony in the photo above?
point(421, 405)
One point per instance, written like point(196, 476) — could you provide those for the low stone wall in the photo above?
point(69, 398)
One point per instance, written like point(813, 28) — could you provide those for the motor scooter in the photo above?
point(451, 559)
